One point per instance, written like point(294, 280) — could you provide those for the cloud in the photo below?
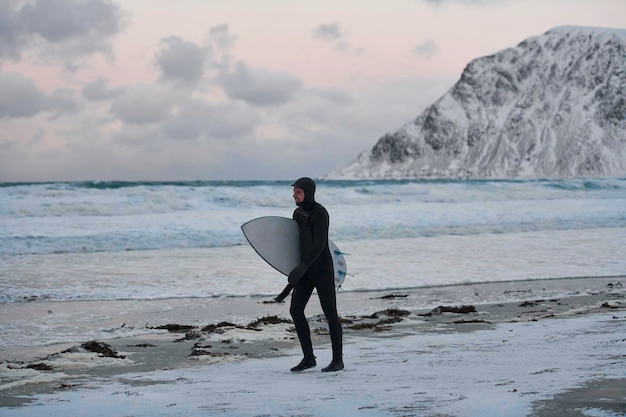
point(10, 33)
point(344, 47)
point(328, 32)
point(143, 104)
point(332, 33)
point(199, 119)
point(62, 101)
point(221, 37)
point(8, 144)
point(182, 61)
point(427, 48)
point(99, 90)
point(145, 136)
point(334, 95)
point(258, 86)
point(60, 20)
point(20, 96)
point(220, 40)
point(59, 29)
point(185, 62)
point(193, 120)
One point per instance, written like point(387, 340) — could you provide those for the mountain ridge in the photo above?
point(551, 107)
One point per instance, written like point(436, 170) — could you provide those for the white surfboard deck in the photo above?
point(276, 240)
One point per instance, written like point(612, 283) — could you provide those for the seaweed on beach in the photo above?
point(390, 320)
point(190, 335)
point(63, 386)
point(474, 321)
point(390, 312)
point(363, 326)
point(142, 345)
point(267, 320)
point(378, 326)
point(517, 291)
point(174, 328)
point(200, 352)
point(102, 349)
point(533, 303)
point(450, 309)
point(39, 366)
point(393, 296)
point(218, 328)
point(393, 315)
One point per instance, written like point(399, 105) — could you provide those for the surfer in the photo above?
point(315, 271)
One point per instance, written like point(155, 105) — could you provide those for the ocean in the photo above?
point(77, 258)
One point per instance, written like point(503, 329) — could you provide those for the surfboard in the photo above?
point(276, 241)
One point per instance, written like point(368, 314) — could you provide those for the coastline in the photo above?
point(236, 331)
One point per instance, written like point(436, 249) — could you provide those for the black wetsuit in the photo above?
point(314, 272)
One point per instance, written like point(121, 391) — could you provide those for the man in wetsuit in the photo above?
point(315, 271)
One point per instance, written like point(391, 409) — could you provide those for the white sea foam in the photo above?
point(66, 218)
point(12, 375)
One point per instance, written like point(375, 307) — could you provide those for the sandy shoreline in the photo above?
point(248, 329)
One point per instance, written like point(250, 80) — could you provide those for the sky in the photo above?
point(237, 89)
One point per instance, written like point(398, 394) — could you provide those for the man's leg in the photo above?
point(328, 301)
point(299, 299)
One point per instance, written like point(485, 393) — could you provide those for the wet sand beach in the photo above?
point(537, 348)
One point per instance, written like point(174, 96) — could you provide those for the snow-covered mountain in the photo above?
point(553, 106)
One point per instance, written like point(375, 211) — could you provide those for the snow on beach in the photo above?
point(501, 359)
point(495, 372)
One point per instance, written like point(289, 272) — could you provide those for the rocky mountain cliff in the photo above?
point(553, 106)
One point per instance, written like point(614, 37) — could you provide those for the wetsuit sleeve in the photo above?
point(320, 236)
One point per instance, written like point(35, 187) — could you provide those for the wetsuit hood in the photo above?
point(308, 186)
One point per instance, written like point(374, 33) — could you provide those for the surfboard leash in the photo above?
point(281, 297)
